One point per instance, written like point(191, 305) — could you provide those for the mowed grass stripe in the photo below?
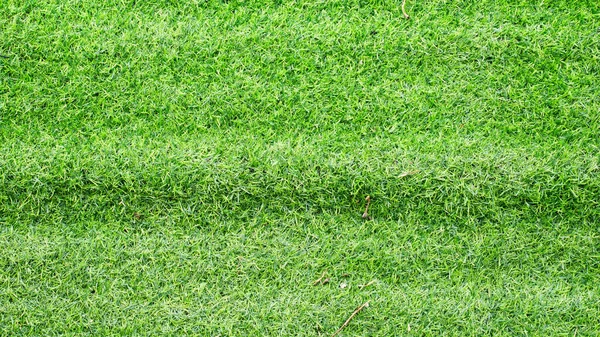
point(298, 176)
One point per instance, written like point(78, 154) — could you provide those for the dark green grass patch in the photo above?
point(191, 168)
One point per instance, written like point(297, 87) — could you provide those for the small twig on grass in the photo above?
point(403, 11)
point(364, 305)
point(361, 286)
point(366, 213)
point(320, 278)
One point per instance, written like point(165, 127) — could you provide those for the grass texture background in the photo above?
point(191, 167)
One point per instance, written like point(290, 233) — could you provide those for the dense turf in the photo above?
point(191, 168)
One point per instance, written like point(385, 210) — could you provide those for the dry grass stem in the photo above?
point(403, 11)
point(361, 286)
point(408, 173)
point(320, 278)
point(356, 311)
point(366, 213)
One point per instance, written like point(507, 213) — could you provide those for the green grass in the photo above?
point(192, 167)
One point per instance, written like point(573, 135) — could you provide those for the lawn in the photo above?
point(173, 168)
